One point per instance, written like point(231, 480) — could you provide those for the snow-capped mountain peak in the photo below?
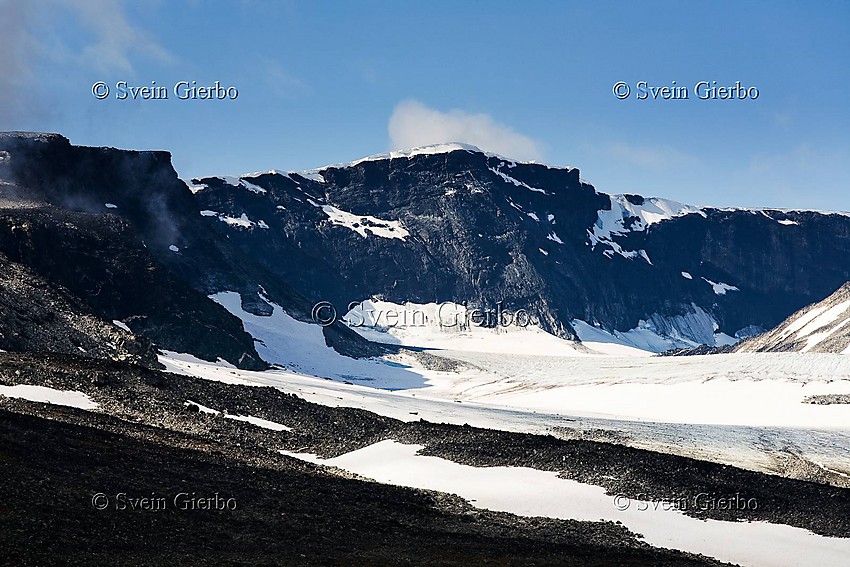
point(430, 149)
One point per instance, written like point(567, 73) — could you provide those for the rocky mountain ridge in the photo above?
point(120, 231)
point(454, 223)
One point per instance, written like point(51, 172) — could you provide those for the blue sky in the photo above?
point(326, 82)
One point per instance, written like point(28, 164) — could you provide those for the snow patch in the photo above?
point(720, 288)
point(659, 333)
point(624, 217)
point(238, 222)
point(241, 222)
point(514, 205)
point(602, 341)
point(121, 325)
point(241, 182)
point(817, 325)
point(802, 321)
point(722, 339)
point(450, 326)
point(253, 188)
point(190, 360)
point(533, 493)
point(554, 237)
point(259, 422)
point(301, 347)
point(69, 398)
point(824, 319)
point(364, 225)
point(517, 182)
point(312, 175)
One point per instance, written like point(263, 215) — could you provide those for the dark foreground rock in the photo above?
point(282, 512)
point(39, 316)
point(142, 409)
point(256, 508)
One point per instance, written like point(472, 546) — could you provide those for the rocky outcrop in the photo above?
point(99, 259)
point(821, 327)
point(37, 316)
point(124, 234)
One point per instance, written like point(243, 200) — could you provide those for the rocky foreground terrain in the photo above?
point(152, 436)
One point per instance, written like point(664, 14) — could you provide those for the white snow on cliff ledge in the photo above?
point(241, 182)
point(720, 288)
point(364, 225)
point(624, 217)
point(241, 222)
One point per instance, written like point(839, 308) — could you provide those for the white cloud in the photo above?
point(116, 40)
point(413, 124)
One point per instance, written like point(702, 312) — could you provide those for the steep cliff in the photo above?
point(454, 223)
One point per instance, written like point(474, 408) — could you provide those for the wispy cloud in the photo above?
point(17, 48)
point(414, 124)
point(280, 82)
point(803, 158)
point(652, 157)
point(805, 176)
point(34, 36)
point(116, 40)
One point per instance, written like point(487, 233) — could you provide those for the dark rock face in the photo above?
point(466, 242)
point(36, 316)
point(780, 260)
point(482, 229)
point(123, 233)
point(99, 259)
